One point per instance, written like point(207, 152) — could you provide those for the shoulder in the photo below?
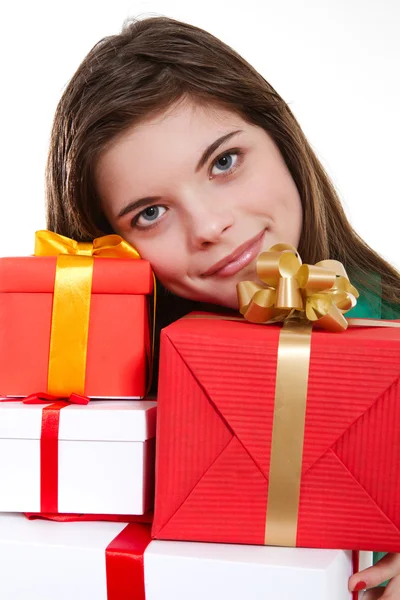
point(390, 311)
point(370, 304)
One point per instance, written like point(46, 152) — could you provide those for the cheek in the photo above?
point(168, 264)
point(258, 191)
point(279, 197)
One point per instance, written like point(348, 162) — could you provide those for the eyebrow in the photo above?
point(209, 151)
point(213, 147)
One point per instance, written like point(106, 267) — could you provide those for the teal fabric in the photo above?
point(370, 306)
point(390, 312)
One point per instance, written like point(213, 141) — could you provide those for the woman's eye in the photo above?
point(149, 215)
point(225, 163)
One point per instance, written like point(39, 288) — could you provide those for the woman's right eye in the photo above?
point(148, 216)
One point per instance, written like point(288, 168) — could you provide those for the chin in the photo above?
point(231, 303)
point(234, 305)
point(228, 302)
point(225, 300)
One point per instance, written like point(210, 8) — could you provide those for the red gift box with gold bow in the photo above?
point(281, 435)
point(74, 319)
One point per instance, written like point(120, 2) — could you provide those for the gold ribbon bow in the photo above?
point(318, 293)
point(48, 243)
point(71, 304)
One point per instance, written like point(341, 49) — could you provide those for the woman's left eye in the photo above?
point(225, 163)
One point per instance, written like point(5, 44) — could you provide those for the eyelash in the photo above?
point(233, 151)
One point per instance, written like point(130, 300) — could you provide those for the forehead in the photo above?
point(184, 123)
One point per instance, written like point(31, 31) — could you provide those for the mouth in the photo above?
point(238, 259)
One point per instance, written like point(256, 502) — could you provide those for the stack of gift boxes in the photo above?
point(261, 490)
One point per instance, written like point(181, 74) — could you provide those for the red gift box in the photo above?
point(215, 426)
point(118, 334)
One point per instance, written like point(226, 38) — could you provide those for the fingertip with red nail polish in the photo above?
point(361, 585)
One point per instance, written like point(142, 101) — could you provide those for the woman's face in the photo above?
point(200, 193)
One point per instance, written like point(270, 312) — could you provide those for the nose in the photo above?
point(208, 225)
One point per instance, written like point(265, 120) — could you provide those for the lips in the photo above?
point(238, 259)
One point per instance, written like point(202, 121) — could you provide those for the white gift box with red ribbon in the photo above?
point(44, 560)
point(71, 458)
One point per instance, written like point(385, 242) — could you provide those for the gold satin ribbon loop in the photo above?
point(71, 304)
point(314, 278)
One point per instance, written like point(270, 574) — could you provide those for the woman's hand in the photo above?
point(387, 568)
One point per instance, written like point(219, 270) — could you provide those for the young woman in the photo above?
point(168, 137)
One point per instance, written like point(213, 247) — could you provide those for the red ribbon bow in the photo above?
point(43, 398)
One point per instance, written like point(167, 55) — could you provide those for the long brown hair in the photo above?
point(146, 68)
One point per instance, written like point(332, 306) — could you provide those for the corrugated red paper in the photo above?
point(215, 415)
point(118, 343)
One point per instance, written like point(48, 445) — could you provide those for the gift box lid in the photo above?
point(100, 420)
point(282, 558)
point(36, 274)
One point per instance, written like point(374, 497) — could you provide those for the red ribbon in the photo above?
point(125, 563)
point(49, 444)
point(73, 517)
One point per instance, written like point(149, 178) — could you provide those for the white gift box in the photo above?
point(43, 560)
point(105, 457)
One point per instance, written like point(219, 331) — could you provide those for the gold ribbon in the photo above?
point(288, 435)
point(301, 296)
point(71, 304)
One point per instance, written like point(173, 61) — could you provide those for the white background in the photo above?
point(336, 62)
